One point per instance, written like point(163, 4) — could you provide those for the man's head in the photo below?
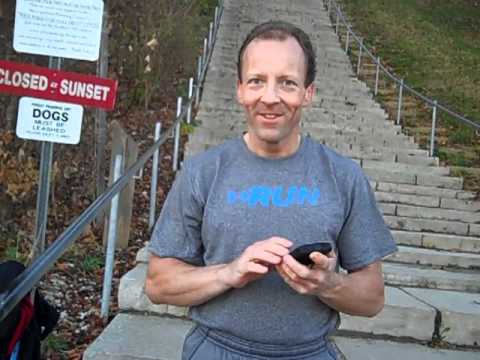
point(280, 31)
point(276, 72)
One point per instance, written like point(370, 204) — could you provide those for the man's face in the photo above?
point(273, 90)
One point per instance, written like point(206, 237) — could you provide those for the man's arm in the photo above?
point(359, 292)
point(172, 281)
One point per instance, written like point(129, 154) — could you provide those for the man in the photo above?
point(222, 242)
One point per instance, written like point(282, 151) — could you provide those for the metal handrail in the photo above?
point(402, 86)
point(23, 283)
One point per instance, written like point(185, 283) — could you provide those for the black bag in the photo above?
point(41, 321)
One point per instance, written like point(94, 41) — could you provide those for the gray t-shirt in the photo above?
point(228, 198)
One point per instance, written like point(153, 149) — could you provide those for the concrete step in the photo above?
point(350, 127)
point(222, 121)
point(438, 241)
point(424, 211)
point(331, 130)
point(311, 119)
point(207, 136)
point(396, 198)
point(136, 336)
point(435, 226)
point(375, 349)
point(225, 108)
point(458, 314)
point(410, 150)
point(395, 141)
point(438, 214)
point(435, 258)
point(389, 155)
point(425, 277)
point(414, 178)
point(418, 314)
point(447, 197)
point(407, 168)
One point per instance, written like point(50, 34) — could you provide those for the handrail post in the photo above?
point(400, 100)
point(377, 76)
point(216, 19)
point(347, 41)
point(210, 37)
point(204, 54)
point(176, 145)
point(190, 94)
point(360, 53)
point(154, 183)
point(434, 124)
point(199, 82)
point(112, 237)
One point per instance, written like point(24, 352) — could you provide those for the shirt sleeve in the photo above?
point(177, 232)
point(364, 238)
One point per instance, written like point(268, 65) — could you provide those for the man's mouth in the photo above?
point(270, 116)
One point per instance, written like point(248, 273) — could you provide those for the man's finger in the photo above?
point(257, 268)
point(276, 249)
point(265, 257)
point(321, 261)
point(280, 241)
point(291, 278)
point(299, 270)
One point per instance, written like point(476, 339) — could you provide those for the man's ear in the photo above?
point(309, 92)
point(239, 92)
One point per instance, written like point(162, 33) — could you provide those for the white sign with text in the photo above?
point(62, 28)
point(46, 120)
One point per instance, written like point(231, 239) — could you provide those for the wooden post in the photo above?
point(123, 144)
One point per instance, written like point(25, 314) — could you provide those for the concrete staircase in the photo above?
point(433, 282)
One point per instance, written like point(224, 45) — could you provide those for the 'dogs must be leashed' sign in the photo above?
point(51, 121)
point(64, 28)
point(36, 81)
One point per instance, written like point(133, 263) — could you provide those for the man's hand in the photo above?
point(317, 280)
point(255, 261)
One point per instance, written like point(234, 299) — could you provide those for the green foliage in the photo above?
point(462, 135)
point(454, 158)
point(54, 344)
point(92, 263)
point(11, 248)
point(11, 253)
point(187, 129)
point(182, 89)
point(207, 7)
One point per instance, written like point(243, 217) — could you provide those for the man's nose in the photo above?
point(270, 95)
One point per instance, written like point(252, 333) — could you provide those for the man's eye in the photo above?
point(289, 83)
point(254, 81)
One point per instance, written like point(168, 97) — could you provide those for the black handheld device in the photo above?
point(302, 253)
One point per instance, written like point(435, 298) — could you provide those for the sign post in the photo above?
point(44, 186)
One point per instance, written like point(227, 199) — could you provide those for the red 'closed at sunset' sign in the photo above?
point(39, 82)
